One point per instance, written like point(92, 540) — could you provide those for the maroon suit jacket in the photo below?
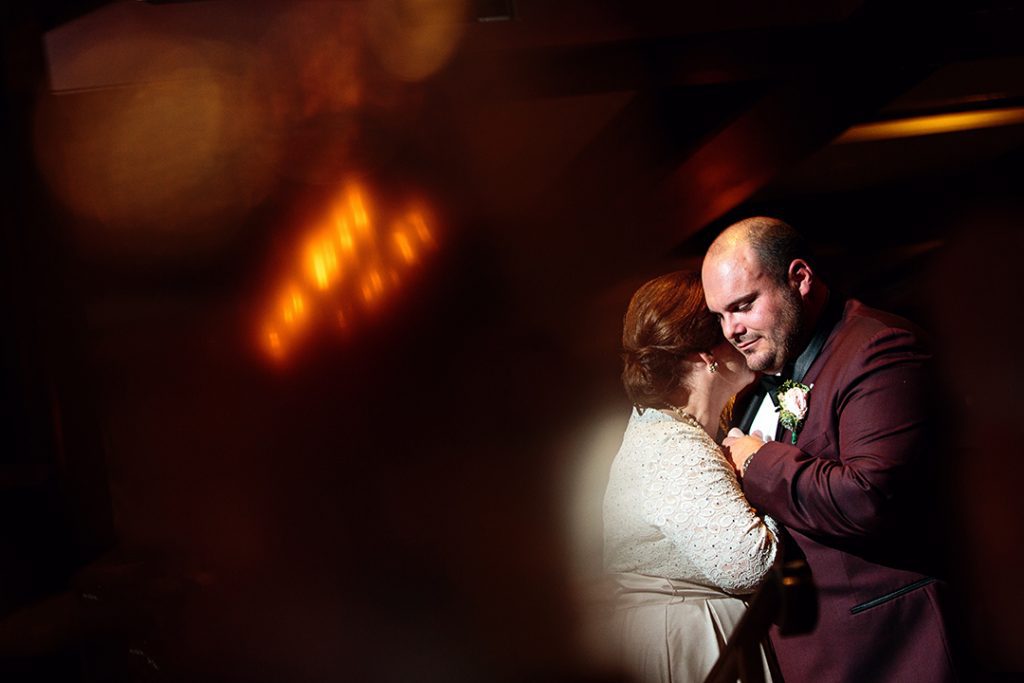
point(855, 496)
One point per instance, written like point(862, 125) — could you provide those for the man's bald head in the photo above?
point(775, 244)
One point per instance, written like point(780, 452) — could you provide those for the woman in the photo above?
point(680, 539)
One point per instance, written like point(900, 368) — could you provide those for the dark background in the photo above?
point(390, 501)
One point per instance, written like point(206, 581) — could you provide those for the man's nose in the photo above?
point(731, 328)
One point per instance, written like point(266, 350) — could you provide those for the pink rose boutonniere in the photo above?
point(793, 405)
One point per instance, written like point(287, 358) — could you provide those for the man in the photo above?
point(850, 480)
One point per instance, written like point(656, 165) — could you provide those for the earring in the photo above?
point(713, 367)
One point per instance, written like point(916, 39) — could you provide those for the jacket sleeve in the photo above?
point(882, 411)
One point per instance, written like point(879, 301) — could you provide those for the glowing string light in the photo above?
point(351, 265)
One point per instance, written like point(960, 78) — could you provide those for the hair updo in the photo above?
point(667, 318)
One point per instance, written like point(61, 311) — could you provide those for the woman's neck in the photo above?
point(707, 418)
point(706, 409)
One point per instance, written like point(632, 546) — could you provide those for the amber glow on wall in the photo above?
point(348, 265)
point(933, 124)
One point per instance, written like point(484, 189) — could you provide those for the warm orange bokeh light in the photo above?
point(273, 340)
point(292, 306)
point(414, 39)
point(352, 265)
point(345, 238)
point(169, 161)
point(358, 207)
point(322, 261)
point(421, 228)
point(404, 246)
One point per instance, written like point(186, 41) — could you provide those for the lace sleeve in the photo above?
point(691, 494)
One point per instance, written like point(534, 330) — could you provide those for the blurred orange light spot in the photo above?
point(292, 306)
point(353, 267)
point(345, 235)
point(273, 343)
point(413, 39)
point(421, 228)
point(323, 263)
point(347, 242)
point(404, 248)
point(359, 214)
point(330, 254)
point(175, 152)
point(320, 271)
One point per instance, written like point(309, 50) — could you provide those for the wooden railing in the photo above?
point(787, 598)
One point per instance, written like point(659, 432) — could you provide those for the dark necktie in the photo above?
point(770, 385)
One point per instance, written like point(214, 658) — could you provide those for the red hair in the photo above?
point(667, 319)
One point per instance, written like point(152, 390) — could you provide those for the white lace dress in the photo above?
point(682, 542)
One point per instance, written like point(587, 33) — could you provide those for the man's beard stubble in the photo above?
point(785, 336)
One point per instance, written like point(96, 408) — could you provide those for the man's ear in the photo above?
point(800, 276)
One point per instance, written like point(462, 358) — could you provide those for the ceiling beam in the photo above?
point(882, 55)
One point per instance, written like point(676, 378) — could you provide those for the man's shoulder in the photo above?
point(864, 333)
point(859, 312)
point(861, 323)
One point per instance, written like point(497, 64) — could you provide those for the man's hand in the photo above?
point(739, 446)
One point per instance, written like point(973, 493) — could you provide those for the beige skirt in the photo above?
point(673, 631)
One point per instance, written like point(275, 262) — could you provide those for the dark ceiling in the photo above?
point(676, 113)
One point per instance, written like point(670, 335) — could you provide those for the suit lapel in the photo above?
point(830, 319)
